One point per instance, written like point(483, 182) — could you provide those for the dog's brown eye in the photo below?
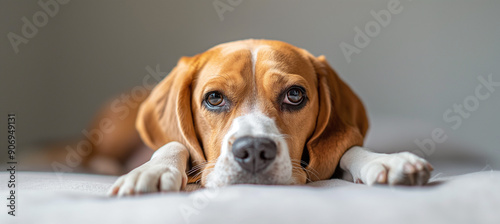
point(215, 99)
point(294, 96)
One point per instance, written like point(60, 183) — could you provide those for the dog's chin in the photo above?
point(240, 176)
point(264, 179)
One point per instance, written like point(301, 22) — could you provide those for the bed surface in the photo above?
point(80, 198)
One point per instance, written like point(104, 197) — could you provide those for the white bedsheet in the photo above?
point(79, 198)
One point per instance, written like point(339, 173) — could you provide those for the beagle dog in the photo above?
point(258, 112)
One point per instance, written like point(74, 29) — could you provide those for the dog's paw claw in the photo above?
point(149, 178)
point(397, 169)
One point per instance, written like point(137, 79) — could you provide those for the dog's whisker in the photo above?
point(200, 166)
point(298, 164)
point(201, 173)
point(300, 169)
point(285, 136)
point(198, 169)
point(302, 162)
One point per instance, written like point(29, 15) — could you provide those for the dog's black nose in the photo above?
point(254, 154)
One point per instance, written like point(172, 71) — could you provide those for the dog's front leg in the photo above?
point(403, 168)
point(165, 171)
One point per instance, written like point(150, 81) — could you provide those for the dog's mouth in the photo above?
point(259, 160)
point(252, 152)
point(264, 178)
point(251, 160)
point(274, 174)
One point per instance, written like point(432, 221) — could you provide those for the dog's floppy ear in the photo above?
point(341, 122)
point(165, 116)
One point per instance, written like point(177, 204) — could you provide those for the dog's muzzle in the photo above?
point(254, 154)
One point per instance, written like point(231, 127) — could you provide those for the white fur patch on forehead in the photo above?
point(254, 59)
point(235, 47)
point(255, 52)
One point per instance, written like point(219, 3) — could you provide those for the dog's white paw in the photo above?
point(150, 177)
point(396, 169)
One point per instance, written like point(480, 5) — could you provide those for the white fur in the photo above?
point(254, 60)
point(166, 171)
point(228, 171)
point(364, 166)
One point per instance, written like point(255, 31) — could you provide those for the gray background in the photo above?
point(424, 61)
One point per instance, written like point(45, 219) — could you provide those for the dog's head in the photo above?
point(255, 111)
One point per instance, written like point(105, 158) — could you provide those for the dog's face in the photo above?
point(250, 111)
point(254, 107)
